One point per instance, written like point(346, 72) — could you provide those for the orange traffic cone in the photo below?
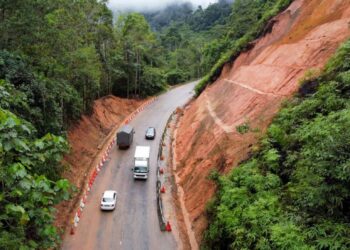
point(168, 227)
point(162, 190)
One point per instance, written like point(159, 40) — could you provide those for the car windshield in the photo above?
point(107, 199)
point(140, 170)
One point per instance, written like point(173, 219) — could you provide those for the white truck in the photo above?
point(141, 164)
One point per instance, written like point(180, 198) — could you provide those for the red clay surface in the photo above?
point(251, 91)
point(86, 139)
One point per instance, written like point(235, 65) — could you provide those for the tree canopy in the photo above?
point(30, 169)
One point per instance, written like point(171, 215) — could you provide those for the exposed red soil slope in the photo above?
point(250, 90)
point(87, 138)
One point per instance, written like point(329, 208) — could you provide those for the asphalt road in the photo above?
point(134, 223)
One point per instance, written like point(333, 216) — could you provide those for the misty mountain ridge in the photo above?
point(197, 17)
point(187, 4)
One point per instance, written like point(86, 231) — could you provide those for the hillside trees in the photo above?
point(142, 75)
point(73, 53)
point(54, 39)
point(183, 53)
point(173, 13)
point(294, 193)
point(215, 14)
point(185, 34)
point(29, 176)
point(50, 72)
point(44, 97)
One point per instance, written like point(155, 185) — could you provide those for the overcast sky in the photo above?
point(147, 5)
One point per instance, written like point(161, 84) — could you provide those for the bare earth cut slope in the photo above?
point(86, 139)
point(250, 91)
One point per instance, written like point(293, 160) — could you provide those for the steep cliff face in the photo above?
point(249, 92)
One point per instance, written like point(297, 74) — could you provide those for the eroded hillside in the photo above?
point(248, 94)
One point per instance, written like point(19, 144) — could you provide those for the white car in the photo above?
point(109, 200)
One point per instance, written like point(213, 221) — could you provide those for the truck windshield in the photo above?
point(140, 169)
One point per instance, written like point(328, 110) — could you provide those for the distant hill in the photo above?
point(172, 13)
point(195, 16)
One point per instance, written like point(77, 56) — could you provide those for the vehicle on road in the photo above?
point(125, 136)
point(150, 133)
point(109, 200)
point(141, 164)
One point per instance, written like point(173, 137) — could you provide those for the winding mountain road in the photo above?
point(134, 223)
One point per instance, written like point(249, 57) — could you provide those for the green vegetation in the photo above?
point(139, 63)
point(65, 54)
point(243, 128)
point(188, 38)
point(30, 157)
point(29, 176)
point(248, 20)
point(294, 193)
point(54, 61)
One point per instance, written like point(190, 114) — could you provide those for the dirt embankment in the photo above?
point(250, 91)
point(87, 138)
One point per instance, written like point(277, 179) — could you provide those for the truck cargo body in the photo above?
point(125, 136)
point(141, 162)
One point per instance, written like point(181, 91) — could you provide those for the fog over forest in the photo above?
point(151, 5)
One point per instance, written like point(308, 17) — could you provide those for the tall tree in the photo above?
point(139, 43)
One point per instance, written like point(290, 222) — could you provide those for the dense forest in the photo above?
point(294, 192)
point(188, 37)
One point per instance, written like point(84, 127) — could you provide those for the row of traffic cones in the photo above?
point(89, 185)
point(162, 190)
